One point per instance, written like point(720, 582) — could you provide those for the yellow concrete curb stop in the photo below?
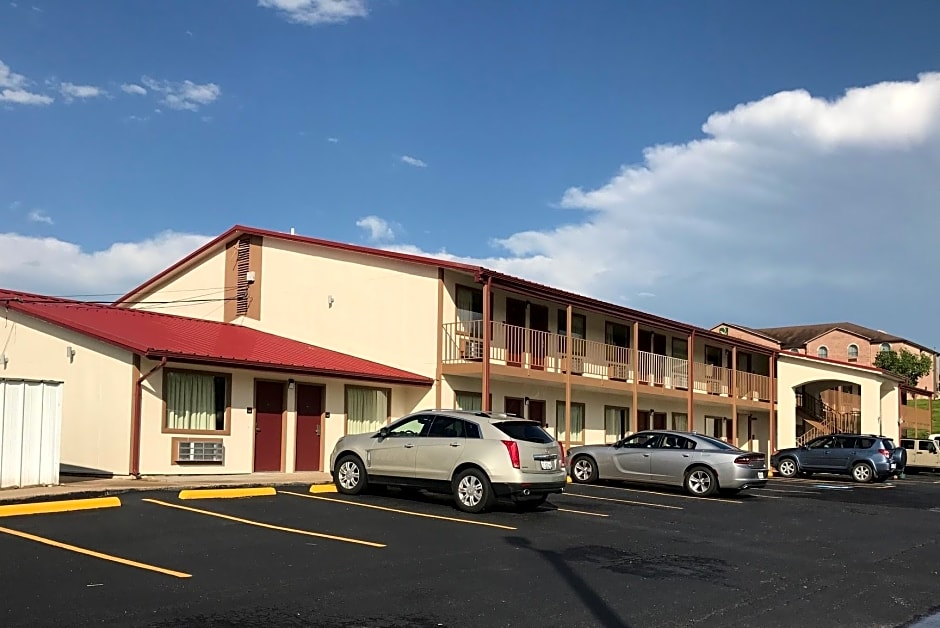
point(67, 505)
point(227, 493)
point(323, 488)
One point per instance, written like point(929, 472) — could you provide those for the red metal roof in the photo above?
point(193, 340)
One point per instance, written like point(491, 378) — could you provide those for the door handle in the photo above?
point(257, 428)
point(318, 430)
point(455, 444)
point(409, 445)
point(646, 455)
point(685, 455)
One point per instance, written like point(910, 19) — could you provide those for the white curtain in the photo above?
point(190, 401)
point(612, 423)
point(469, 401)
point(367, 410)
point(680, 421)
point(577, 422)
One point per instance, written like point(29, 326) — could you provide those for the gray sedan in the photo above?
point(701, 464)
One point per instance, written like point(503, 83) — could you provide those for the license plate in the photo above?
point(760, 475)
point(893, 465)
point(547, 465)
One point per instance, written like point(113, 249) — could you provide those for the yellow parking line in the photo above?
point(625, 501)
point(88, 552)
point(581, 512)
point(265, 525)
point(402, 512)
point(646, 492)
point(65, 505)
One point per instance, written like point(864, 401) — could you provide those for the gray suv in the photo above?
point(865, 457)
point(477, 457)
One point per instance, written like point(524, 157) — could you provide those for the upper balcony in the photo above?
point(524, 348)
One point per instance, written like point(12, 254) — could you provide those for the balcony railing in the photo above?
point(511, 345)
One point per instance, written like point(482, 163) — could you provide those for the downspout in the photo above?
point(136, 418)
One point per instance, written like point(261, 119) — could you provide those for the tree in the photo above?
point(905, 364)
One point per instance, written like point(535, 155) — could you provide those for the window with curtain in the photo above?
point(577, 422)
point(470, 310)
point(366, 409)
point(195, 401)
point(680, 421)
point(469, 401)
point(614, 418)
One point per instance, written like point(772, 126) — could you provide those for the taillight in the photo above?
point(513, 448)
point(886, 453)
point(561, 448)
point(744, 460)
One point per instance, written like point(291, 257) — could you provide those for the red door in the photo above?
point(269, 425)
point(309, 427)
point(513, 405)
point(537, 411)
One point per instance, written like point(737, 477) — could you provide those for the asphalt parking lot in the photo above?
point(798, 552)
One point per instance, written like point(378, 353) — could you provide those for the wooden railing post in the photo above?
point(636, 375)
point(568, 378)
point(690, 369)
point(487, 340)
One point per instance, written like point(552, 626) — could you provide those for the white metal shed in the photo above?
point(30, 428)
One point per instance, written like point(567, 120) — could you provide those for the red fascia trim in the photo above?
point(417, 380)
point(853, 365)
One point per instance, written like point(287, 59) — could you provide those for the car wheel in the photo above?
point(350, 476)
point(583, 470)
point(701, 482)
point(473, 491)
point(788, 468)
point(862, 472)
point(531, 503)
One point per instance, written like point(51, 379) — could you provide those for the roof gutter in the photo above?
point(136, 418)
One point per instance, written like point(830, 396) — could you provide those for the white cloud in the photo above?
point(71, 91)
point(313, 12)
point(14, 89)
point(133, 88)
point(332, 140)
point(186, 95)
point(37, 215)
point(53, 266)
point(377, 229)
point(413, 161)
point(791, 208)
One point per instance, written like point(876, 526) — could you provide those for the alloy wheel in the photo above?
point(583, 470)
point(470, 491)
point(862, 473)
point(787, 468)
point(699, 482)
point(349, 475)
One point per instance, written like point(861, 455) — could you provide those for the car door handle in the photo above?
point(409, 445)
point(685, 455)
point(646, 455)
point(455, 444)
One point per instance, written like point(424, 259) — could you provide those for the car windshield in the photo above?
point(888, 443)
point(525, 430)
point(716, 443)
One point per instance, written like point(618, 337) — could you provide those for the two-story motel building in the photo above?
point(447, 335)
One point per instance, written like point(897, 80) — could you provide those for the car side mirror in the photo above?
point(383, 433)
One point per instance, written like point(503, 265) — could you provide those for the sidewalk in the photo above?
point(77, 486)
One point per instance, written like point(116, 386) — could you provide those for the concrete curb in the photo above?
point(154, 488)
point(227, 493)
point(323, 488)
point(59, 505)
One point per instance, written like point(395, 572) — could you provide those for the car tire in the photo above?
point(701, 482)
point(531, 503)
point(583, 470)
point(862, 472)
point(473, 492)
point(788, 468)
point(350, 475)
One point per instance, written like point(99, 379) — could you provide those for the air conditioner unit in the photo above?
point(473, 350)
point(618, 371)
point(577, 364)
point(199, 451)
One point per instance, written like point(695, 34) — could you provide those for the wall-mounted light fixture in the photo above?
point(329, 301)
point(70, 353)
point(290, 384)
point(4, 360)
point(526, 401)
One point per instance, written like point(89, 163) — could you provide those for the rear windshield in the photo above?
point(888, 443)
point(716, 443)
point(525, 430)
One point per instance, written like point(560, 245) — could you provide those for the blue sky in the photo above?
point(516, 118)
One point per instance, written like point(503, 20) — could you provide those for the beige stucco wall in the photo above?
point(382, 310)
point(204, 281)
point(96, 393)
point(156, 447)
point(876, 395)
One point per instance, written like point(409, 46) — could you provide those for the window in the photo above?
point(578, 327)
point(616, 423)
point(577, 422)
point(641, 441)
point(713, 356)
point(617, 339)
point(885, 346)
point(469, 401)
point(448, 427)
point(823, 351)
point(196, 401)
point(680, 421)
point(367, 409)
point(470, 311)
point(853, 352)
point(411, 427)
point(670, 441)
point(680, 348)
point(523, 430)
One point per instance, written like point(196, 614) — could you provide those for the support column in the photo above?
point(636, 376)
point(930, 412)
point(438, 373)
point(568, 379)
point(487, 341)
point(774, 405)
point(734, 396)
point(691, 381)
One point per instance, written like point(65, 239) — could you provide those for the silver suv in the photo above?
point(477, 457)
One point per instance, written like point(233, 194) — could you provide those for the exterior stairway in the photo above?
point(822, 418)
